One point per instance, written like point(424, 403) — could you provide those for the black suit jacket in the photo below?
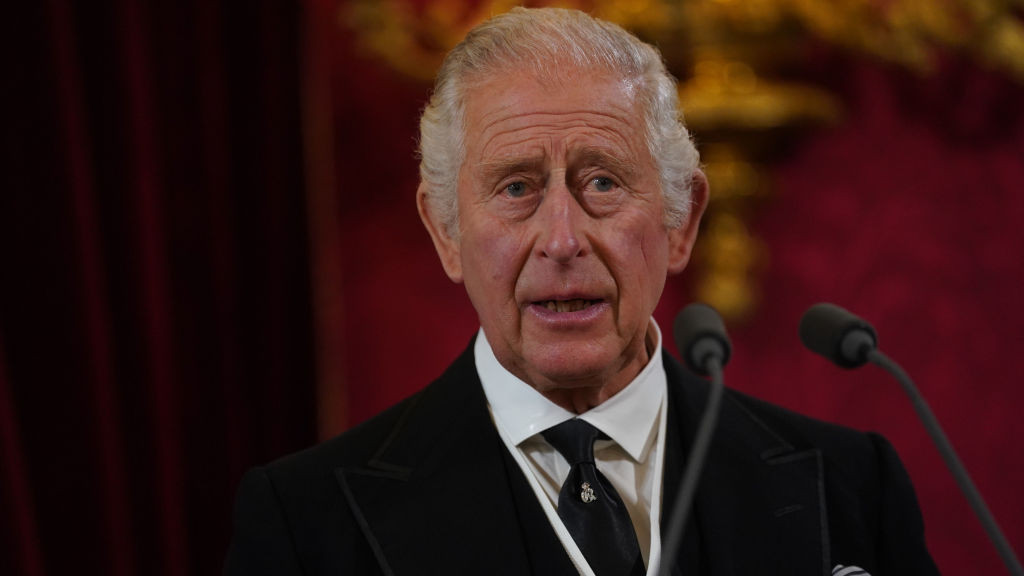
point(427, 487)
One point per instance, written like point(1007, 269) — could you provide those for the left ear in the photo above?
point(681, 239)
point(447, 246)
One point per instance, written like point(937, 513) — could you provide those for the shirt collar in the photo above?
point(628, 418)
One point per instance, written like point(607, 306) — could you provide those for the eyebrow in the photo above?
point(599, 157)
point(494, 170)
point(497, 169)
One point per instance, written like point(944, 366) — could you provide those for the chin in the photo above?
point(571, 369)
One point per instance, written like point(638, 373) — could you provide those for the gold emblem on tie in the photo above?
point(587, 493)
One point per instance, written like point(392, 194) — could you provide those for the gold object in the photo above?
point(729, 52)
point(413, 37)
point(911, 33)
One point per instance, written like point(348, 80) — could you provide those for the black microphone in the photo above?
point(837, 335)
point(850, 342)
point(703, 345)
point(700, 336)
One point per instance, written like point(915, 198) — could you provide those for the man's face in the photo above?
point(563, 248)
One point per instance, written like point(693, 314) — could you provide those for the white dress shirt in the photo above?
point(632, 460)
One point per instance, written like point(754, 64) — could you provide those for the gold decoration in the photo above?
point(413, 39)
point(740, 116)
point(728, 256)
point(907, 32)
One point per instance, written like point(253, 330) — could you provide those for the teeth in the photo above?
point(567, 305)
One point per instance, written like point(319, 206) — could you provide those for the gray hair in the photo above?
point(534, 39)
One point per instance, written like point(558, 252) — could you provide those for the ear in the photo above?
point(681, 239)
point(447, 247)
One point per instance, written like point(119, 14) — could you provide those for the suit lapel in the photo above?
point(437, 492)
point(760, 504)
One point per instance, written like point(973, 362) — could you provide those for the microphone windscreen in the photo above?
point(696, 327)
point(825, 329)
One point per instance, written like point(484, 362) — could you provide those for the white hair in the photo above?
point(537, 39)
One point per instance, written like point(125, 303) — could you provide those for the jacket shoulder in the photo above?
point(353, 447)
point(416, 415)
point(871, 500)
point(292, 515)
point(801, 430)
point(787, 427)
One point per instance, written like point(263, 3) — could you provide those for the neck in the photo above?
point(579, 396)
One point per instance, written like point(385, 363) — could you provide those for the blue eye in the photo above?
point(515, 189)
point(602, 184)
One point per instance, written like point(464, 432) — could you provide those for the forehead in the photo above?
point(519, 110)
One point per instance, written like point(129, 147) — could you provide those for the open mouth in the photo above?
point(574, 305)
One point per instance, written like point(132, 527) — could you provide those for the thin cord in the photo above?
point(931, 424)
point(681, 509)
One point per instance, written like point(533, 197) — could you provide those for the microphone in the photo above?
point(837, 335)
point(700, 336)
point(704, 346)
point(850, 342)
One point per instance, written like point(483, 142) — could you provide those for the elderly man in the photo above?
point(559, 186)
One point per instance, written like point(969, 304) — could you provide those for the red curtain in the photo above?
point(155, 319)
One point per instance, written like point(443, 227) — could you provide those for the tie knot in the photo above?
point(574, 440)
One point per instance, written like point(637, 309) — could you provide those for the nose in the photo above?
point(561, 237)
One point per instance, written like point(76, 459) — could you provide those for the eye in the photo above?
point(603, 184)
point(516, 189)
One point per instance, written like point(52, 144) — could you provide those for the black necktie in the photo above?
point(590, 507)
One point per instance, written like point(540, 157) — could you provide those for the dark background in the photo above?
point(179, 287)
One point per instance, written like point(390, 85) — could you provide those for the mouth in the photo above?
point(574, 305)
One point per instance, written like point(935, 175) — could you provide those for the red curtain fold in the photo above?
point(155, 302)
point(146, 211)
point(19, 527)
point(93, 303)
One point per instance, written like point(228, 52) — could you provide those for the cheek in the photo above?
point(655, 247)
point(641, 255)
point(495, 258)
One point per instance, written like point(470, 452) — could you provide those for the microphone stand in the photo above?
point(683, 504)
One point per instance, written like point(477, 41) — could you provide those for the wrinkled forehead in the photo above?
point(520, 121)
point(553, 74)
point(552, 90)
